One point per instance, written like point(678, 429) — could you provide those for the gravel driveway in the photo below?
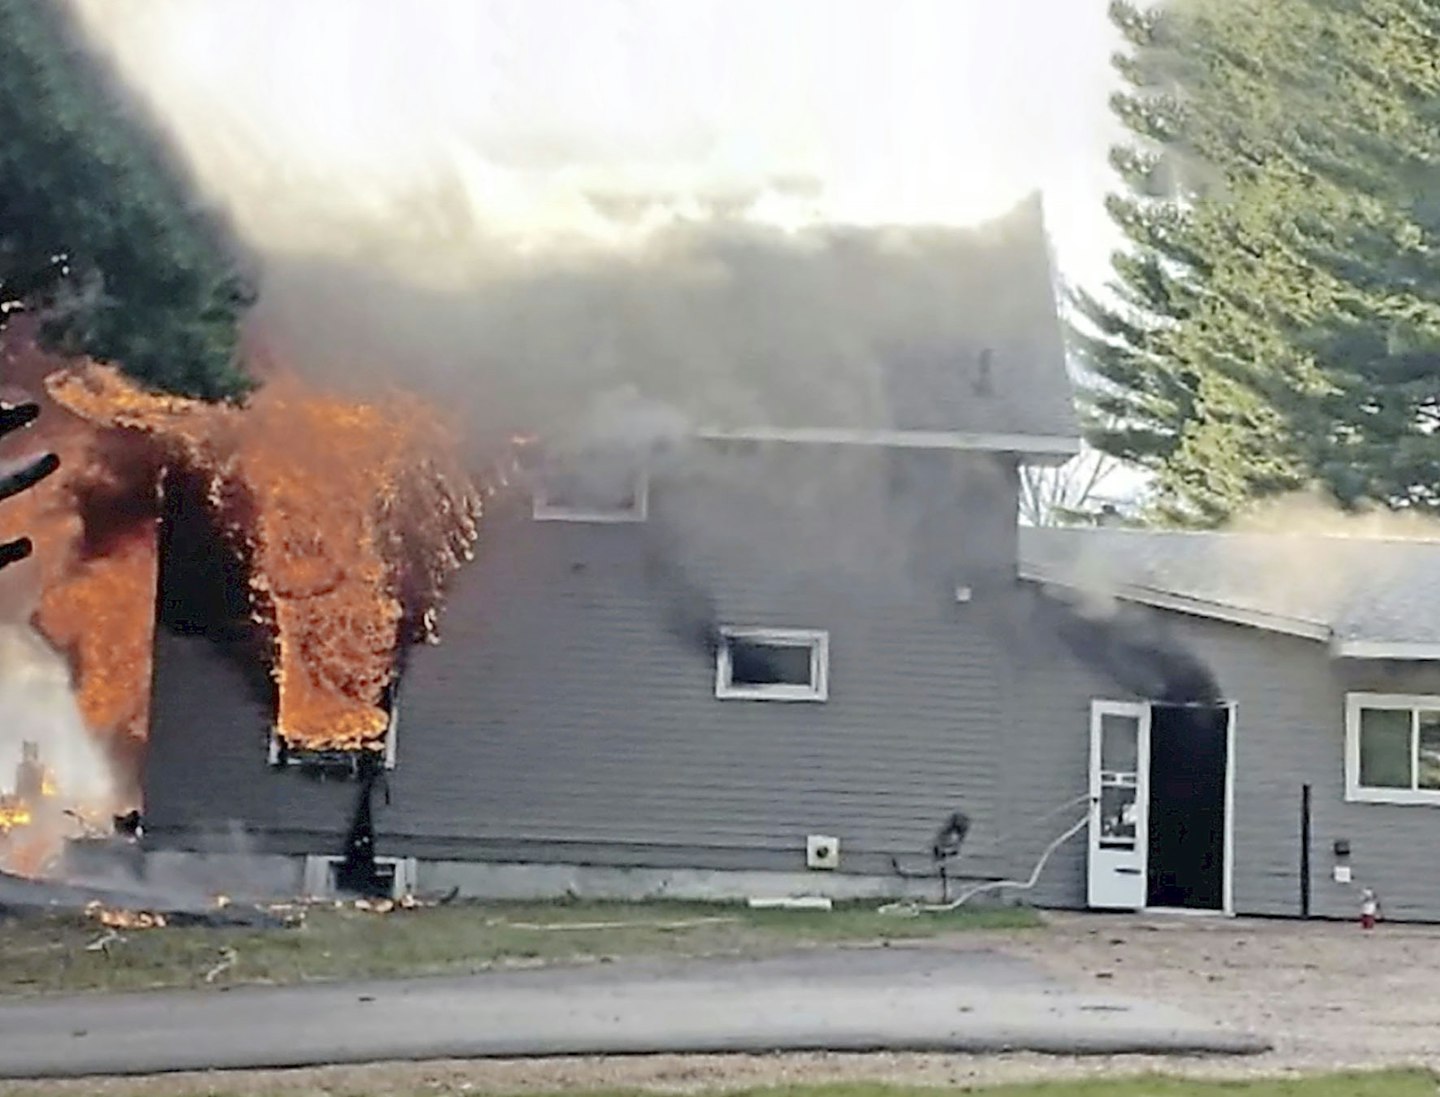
point(1331, 997)
point(1327, 993)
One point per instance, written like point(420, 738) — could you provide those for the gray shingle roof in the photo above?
point(1354, 590)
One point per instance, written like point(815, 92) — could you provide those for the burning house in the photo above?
point(808, 652)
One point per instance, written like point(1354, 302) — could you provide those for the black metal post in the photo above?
point(1305, 851)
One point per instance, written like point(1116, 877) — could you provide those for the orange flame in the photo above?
point(101, 617)
point(350, 515)
point(13, 813)
point(117, 918)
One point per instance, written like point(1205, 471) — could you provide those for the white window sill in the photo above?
point(733, 693)
point(1403, 796)
point(591, 517)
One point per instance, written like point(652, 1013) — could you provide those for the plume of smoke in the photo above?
point(1131, 645)
point(1314, 514)
point(524, 259)
point(1312, 545)
point(39, 707)
point(537, 273)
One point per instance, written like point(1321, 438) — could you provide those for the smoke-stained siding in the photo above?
point(564, 718)
point(568, 716)
point(1290, 731)
point(1047, 751)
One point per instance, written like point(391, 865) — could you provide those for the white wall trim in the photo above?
point(817, 640)
point(1037, 448)
point(1227, 885)
point(1383, 649)
point(1196, 607)
point(1404, 702)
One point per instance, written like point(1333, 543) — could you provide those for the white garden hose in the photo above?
point(910, 907)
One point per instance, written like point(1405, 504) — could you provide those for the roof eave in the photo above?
point(1034, 448)
point(1400, 650)
point(1195, 607)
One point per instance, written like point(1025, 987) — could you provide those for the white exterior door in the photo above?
point(1119, 802)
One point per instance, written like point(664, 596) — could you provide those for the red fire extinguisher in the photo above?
point(1369, 909)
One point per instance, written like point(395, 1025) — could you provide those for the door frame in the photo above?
point(1101, 706)
point(1227, 883)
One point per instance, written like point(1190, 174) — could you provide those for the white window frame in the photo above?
point(817, 640)
point(542, 510)
point(277, 756)
point(1414, 703)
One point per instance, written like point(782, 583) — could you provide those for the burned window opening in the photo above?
point(591, 487)
point(753, 663)
point(203, 585)
point(342, 765)
point(772, 664)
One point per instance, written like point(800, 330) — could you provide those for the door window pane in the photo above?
point(1385, 748)
point(1119, 744)
point(1118, 814)
point(1429, 774)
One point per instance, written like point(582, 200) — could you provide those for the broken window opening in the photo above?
point(773, 664)
point(338, 764)
point(592, 488)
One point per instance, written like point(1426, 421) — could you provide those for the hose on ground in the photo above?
point(911, 908)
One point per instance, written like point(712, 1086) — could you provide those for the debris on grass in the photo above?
point(228, 958)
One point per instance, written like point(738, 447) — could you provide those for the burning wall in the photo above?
point(350, 516)
point(346, 517)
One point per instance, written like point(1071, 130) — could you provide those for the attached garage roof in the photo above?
point(1369, 598)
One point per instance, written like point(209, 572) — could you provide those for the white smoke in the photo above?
point(522, 207)
point(37, 705)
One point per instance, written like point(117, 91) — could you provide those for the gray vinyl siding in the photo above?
point(568, 714)
point(563, 717)
point(1290, 731)
point(207, 782)
point(560, 714)
point(1047, 759)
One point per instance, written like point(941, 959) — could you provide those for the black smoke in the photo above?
point(1135, 650)
point(689, 610)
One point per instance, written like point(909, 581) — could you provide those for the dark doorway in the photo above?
point(1188, 747)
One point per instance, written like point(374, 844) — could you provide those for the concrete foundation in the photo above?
point(254, 875)
point(484, 880)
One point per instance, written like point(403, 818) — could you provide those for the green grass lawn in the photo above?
point(51, 954)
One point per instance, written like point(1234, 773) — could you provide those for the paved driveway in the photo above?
point(859, 999)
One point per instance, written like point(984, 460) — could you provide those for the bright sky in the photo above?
point(852, 110)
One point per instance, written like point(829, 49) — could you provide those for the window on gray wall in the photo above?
point(281, 753)
point(767, 664)
point(1392, 748)
point(599, 487)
